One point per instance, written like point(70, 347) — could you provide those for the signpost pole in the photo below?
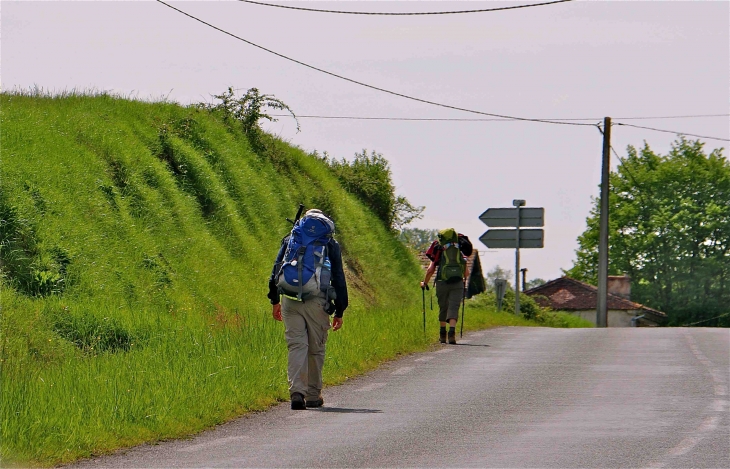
point(517, 203)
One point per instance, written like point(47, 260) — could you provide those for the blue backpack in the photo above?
point(306, 270)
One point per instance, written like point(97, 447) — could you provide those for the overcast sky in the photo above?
point(569, 60)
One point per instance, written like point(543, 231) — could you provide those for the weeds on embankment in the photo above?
point(136, 240)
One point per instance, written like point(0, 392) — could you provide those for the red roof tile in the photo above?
point(568, 294)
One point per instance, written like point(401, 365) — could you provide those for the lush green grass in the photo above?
point(136, 240)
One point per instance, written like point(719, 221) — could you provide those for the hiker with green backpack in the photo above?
point(448, 260)
point(309, 275)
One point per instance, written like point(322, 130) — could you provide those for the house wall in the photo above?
point(616, 317)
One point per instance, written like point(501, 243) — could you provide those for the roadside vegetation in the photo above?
point(135, 244)
point(669, 231)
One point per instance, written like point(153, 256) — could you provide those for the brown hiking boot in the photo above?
point(452, 338)
point(442, 337)
point(318, 402)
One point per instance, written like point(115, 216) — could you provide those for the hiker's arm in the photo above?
point(338, 279)
point(273, 295)
point(429, 273)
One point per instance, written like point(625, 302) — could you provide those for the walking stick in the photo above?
point(463, 303)
point(423, 294)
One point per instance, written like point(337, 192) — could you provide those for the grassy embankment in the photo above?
point(136, 240)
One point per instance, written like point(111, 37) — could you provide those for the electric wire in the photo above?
point(706, 320)
point(672, 132)
point(447, 119)
point(484, 10)
point(394, 93)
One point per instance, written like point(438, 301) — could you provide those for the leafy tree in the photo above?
point(417, 238)
point(535, 282)
point(669, 230)
point(498, 272)
point(370, 178)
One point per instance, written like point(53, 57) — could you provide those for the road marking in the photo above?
point(717, 375)
point(423, 359)
point(709, 424)
point(718, 405)
point(371, 387)
point(685, 446)
point(402, 370)
point(212, 444)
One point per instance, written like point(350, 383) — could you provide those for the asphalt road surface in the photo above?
point(506, 397)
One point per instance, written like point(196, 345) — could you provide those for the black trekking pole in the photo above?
point(299, 215)
point(463, 304)
point(423, 294)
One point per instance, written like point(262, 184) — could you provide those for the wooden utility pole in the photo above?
point(601, 309)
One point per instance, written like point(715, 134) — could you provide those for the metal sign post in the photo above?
point(515, 238)
point(500, 286)
point(517, 203)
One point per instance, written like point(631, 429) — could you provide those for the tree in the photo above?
point(669, 230)
point(535, 282)
point(498, 272)
point(418, 239)
point(369, 177)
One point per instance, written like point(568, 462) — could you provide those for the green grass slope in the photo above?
point(136, 240)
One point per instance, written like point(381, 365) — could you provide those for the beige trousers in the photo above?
point(306, 326)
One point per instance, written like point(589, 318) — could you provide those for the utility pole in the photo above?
point(601, 309)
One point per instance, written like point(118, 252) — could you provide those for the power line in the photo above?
point(706, 320)
point(405, 14)
point(447, 106)
point(672, 132)
point(673, 117)
point(446, 119)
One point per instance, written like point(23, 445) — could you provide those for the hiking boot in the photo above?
point(452, 338)
point(317, 402)
point(297, 401)
point(442, 337)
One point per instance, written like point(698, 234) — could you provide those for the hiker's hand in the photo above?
point(336, 323)
point(424, 286)
point(276, 312)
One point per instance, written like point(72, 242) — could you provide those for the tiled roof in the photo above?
point(568, 294)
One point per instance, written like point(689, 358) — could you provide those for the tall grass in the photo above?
point(136, 241)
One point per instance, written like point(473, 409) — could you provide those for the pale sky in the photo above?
point(571, 60)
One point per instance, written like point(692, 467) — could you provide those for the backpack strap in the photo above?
point(300, 264)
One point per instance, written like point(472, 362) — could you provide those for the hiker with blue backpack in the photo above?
point(306, 286)
point(448, 260)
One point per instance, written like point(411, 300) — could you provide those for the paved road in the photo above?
point(507, 397)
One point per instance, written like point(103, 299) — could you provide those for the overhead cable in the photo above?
point(404, 14)
point(439, 119)
point(447, 106)
point(672, 132)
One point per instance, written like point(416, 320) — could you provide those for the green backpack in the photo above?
point(452, 264)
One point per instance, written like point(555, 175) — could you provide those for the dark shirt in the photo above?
point(338, 275)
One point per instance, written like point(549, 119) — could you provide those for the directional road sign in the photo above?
point(503, 217)
point(506, 238)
